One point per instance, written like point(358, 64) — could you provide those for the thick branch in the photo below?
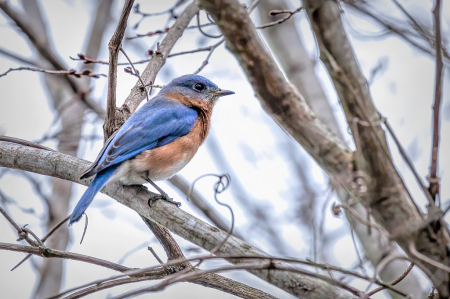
point(114, 46)
point(210, 280)
point(278, 97)
point(45, 51)
point(163, 213)
point(200, 203)
point(286, 44)
point(172, 249)
point(387, 196)
point(71, 116)
point(148, 76)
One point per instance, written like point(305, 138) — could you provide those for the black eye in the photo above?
point(199, 86)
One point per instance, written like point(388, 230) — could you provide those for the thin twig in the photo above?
point(253, 6)
point(363, 221)
point(19, 58)
point(29, 231)
point(409, 162)
point(413, 251)
point(10, 220)
point(170, 11)
point(47, 252)
point(85, 227)
point(432, 178)
point(47, 235)
point(87, 60)
point(157, 61)
point(72, 72)
point(410, 17)
point(220, 186)
point(206, 61)
point(135, 72)
point(155, 255)
point(22, 231)
point(408, 36)
point(193, 51)
point(47, 53)
point(165, 30)
point(203, 32)
point(398, 280)
point(275, 12)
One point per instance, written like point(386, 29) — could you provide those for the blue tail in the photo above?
point(100, 180)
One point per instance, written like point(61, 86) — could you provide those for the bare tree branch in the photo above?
point(433, 179)
point(86, 60)
point(71, 72)
point(45, 51)
point(260, 220)
point(200, 203)
point(210, 280)
point(47, 252)
point(114, 46)
point(287, 12)
point(288, 47)
point(410, 36)
point(71, 122)
point(156, 62)
point(17, 57)
point(278, 97)
point(386, 195)
point(176, 277)
point(163, 213)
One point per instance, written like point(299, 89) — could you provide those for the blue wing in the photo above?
point(159, 122)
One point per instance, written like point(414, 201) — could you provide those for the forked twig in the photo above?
point(47, 235)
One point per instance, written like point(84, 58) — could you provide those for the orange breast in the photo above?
point(165, 161)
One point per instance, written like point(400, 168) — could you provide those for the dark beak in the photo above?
point(222, 93)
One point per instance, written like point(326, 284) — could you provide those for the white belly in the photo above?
point(133, 172)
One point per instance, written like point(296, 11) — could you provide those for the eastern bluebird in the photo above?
point(158, 140)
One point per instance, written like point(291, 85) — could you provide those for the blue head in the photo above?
point(196, 88)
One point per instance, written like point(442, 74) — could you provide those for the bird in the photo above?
point(157, 141)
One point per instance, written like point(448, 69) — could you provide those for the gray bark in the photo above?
point(71, 112)
point(387, 197)
point(168, 215)
point(287, 46)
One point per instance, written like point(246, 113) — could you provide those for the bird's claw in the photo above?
point(153, 199)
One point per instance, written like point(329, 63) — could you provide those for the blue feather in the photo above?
point(159, 122)
point(100, 180)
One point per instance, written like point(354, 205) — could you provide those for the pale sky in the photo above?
point(251, 141)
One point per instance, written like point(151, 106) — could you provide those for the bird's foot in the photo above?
point(153, 199)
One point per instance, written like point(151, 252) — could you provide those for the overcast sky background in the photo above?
point(252, 143)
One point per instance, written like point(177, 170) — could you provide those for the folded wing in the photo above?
point(159, 122)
